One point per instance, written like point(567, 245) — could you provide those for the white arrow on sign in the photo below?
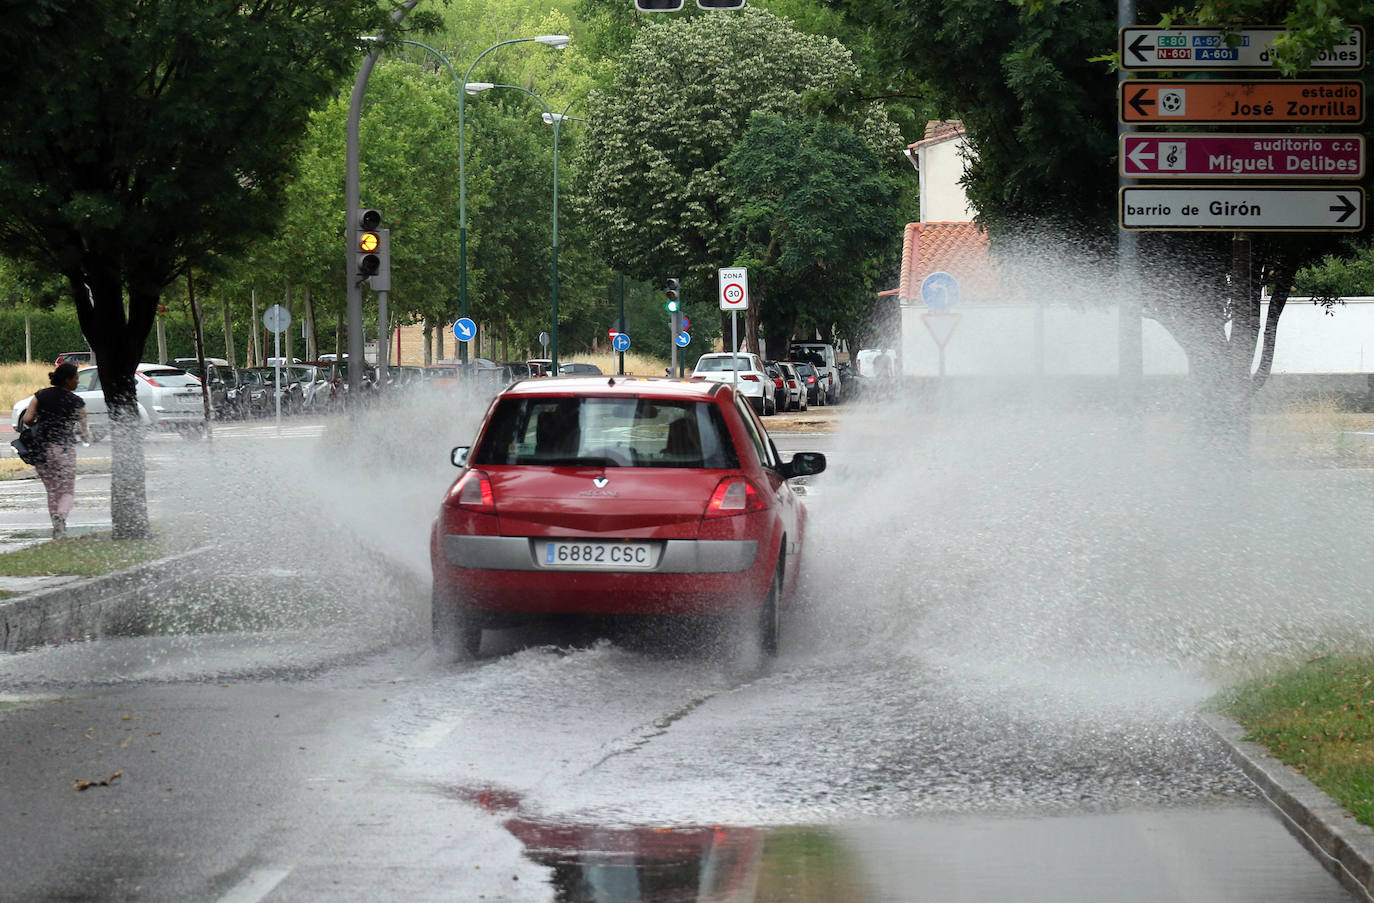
point(1275, 209)
point(1139, 155)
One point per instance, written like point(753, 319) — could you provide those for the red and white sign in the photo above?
point(941, 327)
point(734, 288)
point(1220, 156)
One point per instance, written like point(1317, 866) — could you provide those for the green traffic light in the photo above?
point(672, 307)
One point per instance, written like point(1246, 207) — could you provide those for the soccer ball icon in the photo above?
point(1171, 103)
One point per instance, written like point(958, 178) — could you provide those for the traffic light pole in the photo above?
point(356, 364)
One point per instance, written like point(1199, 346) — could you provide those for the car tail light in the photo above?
point(149, 380)
point(473, 493)
point(810, 380)
point(752, 377)
point(777, 381)
point(734, 495)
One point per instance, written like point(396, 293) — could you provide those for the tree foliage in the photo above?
point(145, 135)
point(681, 98)
point(813, 215)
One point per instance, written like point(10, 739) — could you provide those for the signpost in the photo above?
point(1210, 48)
point(621, 342)
point(1248, 209)
point(1170, 101)
point(464, 329)
point(1215, 156)
point(940, 292)
point(277, 318)
point(734, 297)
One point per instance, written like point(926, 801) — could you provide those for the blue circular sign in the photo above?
point(683, 339)
point(940, 291)
point(465, 330)
point(621, 342)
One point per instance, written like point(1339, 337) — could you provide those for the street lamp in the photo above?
point(557, 42)
point(555, 120)
point(465, 87)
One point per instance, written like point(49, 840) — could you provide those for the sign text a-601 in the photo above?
point(1210, 49)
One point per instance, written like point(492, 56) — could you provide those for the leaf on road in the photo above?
point(82, 785)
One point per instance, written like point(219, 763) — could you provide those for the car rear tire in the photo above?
point(770, 616)
point(456, 633)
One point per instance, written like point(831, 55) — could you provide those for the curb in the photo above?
point(1342, 845)
point(110, 604)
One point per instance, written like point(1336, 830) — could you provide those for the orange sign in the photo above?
point(1222, 101)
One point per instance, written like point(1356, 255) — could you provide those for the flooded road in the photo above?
point(988, 693)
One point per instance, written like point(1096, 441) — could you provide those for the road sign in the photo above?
point(465, 330)
point(940, 291)
point(276, 318)
point(1217, 156)
point(621, 342)
point(544, 339)
point(1209, 48)
point(1250, 209)
point(683, 339)
point(941, 326)
point(686, 322)
point(1229, 102)
point(734, 288)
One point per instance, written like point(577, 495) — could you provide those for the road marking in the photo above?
point(258, 884)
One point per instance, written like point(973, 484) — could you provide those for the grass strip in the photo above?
point(1319, 719)
point(84, 556)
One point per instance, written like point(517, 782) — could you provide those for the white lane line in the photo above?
point(258, 884)
point(436, 733)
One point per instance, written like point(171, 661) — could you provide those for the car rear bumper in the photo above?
point(690, 577)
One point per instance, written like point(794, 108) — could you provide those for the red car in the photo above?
point(617, 496)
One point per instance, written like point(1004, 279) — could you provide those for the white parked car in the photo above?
point(169, 398)
point(754, 383)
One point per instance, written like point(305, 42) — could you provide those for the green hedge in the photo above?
point(56, 331)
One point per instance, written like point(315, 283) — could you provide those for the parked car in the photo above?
point(168, 398)
point(252, 394)
point(779, 387)
point(821, 355)
point(589, 496)
point(814, 393)
point(754, 382)
point(219, 378)
point(795, 385)
point(74, 357)
point(292, 395)
point(314, 383)
point(577, 368)
point(539, 366)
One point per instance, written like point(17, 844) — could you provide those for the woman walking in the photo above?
point(58, 415)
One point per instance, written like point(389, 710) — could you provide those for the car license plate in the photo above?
point(189, 400)
point(569, 553)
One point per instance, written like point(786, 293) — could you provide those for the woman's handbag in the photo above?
point(28, 448)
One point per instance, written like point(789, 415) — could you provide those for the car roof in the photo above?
point(655, 386)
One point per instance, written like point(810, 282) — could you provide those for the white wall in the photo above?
point(1313, 341)
point(941, 166)
point(1029, 339)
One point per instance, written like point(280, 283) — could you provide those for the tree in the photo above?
point(145, 135)
point(1034, 87)
point(655, 186)
point(812, 213)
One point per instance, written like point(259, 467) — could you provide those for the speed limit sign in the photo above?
point(734, 288)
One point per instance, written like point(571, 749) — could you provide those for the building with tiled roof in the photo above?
point(946, 240)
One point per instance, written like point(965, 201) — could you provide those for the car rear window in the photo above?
point(171, 378)
point(592, 431)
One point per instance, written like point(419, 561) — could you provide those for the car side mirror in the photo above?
point(459, 456)
point(803, 464)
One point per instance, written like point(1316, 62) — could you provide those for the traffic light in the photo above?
point(372, 253)
point(670, 290)
point(658, 6)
